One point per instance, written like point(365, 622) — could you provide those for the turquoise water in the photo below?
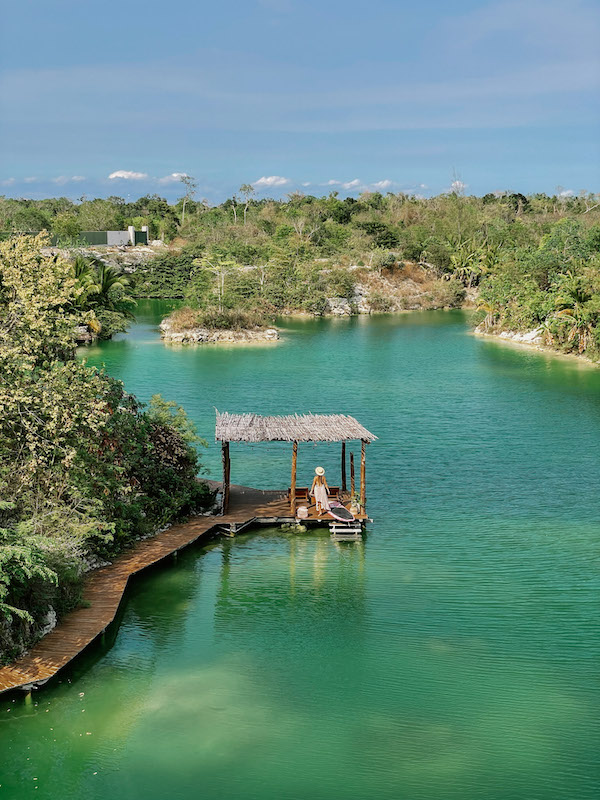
point(453, 654)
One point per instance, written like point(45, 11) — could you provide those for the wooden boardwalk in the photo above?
point(104, 588)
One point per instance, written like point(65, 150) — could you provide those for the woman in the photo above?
point(320, 490)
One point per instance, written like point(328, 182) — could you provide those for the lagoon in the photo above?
point(452, 654)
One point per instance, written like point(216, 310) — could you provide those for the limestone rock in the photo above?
point(48, 622)
point(338, 306)
point(208, 335)
point(83, 335)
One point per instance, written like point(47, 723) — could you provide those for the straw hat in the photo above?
point(320, 471)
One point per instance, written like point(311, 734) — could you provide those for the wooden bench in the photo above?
point(302, 493)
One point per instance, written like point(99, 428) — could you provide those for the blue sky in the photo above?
point(298, 95)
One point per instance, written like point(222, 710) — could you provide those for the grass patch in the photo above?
point(186, 318)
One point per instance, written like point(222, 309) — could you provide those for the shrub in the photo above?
point(232, 319)
point(184, 319)
point(447, 294)
point(315, 302)
point(380, 302)
point(383, 259)
point(340, 283)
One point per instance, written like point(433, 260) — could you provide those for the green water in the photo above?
point(452, 655)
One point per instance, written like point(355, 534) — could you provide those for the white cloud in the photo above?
point(566, 193)
point(356, 183)
point(270, 182)
point(127, 175)
point(31, 179)
point(306, 183)
point(62, 179)
point(174, 177)
point(8, 182)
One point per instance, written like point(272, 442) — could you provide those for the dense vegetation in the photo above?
point(553, 286)
point(67, 219)
point(102, 301)
point(533, 260)
point(84, 467)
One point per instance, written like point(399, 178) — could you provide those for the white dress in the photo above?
point(320, 495)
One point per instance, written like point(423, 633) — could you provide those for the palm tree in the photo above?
point(466, 263)
point(84, 278)
point(491, 313)
point(574, 308)
point(100, 288)
point(109, 289)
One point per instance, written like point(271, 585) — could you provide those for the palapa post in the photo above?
point(352, 480)
point(226, 475)
point(293, 480)
point(363, 473)
point(343, 466)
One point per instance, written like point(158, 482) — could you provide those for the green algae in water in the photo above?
point(452, 654)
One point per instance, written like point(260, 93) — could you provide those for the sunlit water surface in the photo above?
point(453, 654)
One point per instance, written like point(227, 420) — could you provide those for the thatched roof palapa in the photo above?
point(295, 427)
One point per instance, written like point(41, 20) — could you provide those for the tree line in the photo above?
point(533, 258)
point(85, 468)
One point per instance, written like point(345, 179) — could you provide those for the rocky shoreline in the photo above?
point(214, 336)
point(533, 340)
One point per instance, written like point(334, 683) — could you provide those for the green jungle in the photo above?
point(85, 468)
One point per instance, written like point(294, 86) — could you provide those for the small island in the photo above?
point(190, 326)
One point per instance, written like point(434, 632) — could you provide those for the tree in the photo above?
point(36, 297)
point(67, 225)
point(191, 184)
point(83, 468)
point(465, 263)
point(100, 215)
point(576, 307)
point(383, 259)
point(110, 290)
point(220, 268)
point(248, 191)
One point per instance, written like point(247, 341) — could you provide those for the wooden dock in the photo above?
point(105, 587)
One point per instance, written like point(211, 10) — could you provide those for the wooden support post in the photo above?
point(343, 466)
point(363, 474)
point(226, 475)
point(352, 480)
point(293, 481)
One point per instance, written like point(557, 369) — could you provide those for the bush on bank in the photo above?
point(85, 468)
point(554, 287)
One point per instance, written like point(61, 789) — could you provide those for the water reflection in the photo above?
point(275, 576)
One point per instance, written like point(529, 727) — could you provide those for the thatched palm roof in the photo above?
point(296, 427)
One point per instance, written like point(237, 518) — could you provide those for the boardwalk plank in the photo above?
point(104, 589)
